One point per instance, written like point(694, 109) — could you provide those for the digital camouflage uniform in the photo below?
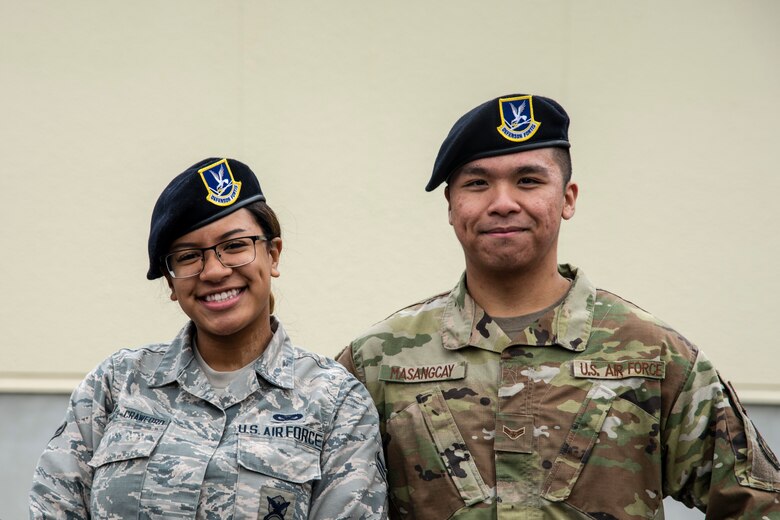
point(145, 436)
point(599, 412)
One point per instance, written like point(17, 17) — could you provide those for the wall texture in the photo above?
point(340, 109)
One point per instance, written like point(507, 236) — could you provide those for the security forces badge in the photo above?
point(222, 188)
point(517, 118)
point(277, 508)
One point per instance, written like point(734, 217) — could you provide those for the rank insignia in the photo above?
point(514, 434)
point(222, 188)
point(517, 118)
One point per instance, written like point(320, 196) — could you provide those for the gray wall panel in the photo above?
point(30, 420)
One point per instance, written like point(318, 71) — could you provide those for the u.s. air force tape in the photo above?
point(601, 369)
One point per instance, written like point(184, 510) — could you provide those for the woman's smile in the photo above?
point(222, 299)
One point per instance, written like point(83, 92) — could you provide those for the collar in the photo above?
point(276, 365)
point(464, 323)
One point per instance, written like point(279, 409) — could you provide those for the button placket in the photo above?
point(518, 476)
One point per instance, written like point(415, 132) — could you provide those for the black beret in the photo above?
point(201, 194)
point(504, 125)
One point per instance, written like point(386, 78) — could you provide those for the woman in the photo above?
point(229, 420)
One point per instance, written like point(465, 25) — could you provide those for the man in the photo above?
point(526, 392)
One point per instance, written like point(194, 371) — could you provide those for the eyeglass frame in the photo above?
point(254, 238)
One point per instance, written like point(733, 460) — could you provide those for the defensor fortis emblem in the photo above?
point(277, 508)
point(517, 118)
point(222, 188)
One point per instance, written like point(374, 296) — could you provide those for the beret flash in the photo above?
point(201, 194)
point(508, 124)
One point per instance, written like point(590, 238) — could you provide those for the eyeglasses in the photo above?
point(235, 252)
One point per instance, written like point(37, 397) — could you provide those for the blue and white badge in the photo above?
point(222, 188)
point(517, 118)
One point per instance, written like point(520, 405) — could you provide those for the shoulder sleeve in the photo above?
point(353, 483)
point(715, 458)
point(62, 481)
point(347, 358)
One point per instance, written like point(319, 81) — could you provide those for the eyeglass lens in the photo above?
point(231, 253)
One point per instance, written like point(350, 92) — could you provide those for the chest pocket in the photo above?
point(284, 460)
point(129, 435)
point(273, 471)
point(120, 460)
point(611, 440)
point(429, 464)
point(579, 443)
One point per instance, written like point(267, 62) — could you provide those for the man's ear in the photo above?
point(569, 200)
point(449, 205)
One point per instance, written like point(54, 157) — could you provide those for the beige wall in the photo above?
point(340, 108)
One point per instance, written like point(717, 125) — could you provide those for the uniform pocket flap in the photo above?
point(755, 464)
point(279, 458)
point(579, 443)
point(129, 435)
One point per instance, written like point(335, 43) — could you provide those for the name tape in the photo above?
point(140, 417)
point(419, 374)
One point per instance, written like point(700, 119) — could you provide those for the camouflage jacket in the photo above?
point(600, 411)
point(145, 436)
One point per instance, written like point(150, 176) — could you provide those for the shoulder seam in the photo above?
point(625, 300)
point(420, 302)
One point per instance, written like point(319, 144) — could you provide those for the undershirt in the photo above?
point(220, 380)
point(514, 325)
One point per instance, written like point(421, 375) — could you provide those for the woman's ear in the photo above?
point(275, 251)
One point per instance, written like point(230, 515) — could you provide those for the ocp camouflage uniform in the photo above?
point(146, 436)
point(599, 412)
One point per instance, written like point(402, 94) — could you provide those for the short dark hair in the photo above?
point(563, 158)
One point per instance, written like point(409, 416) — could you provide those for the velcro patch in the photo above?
point(514, 433)
point(601, 369)
point(279, 503)
point(424, 373)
